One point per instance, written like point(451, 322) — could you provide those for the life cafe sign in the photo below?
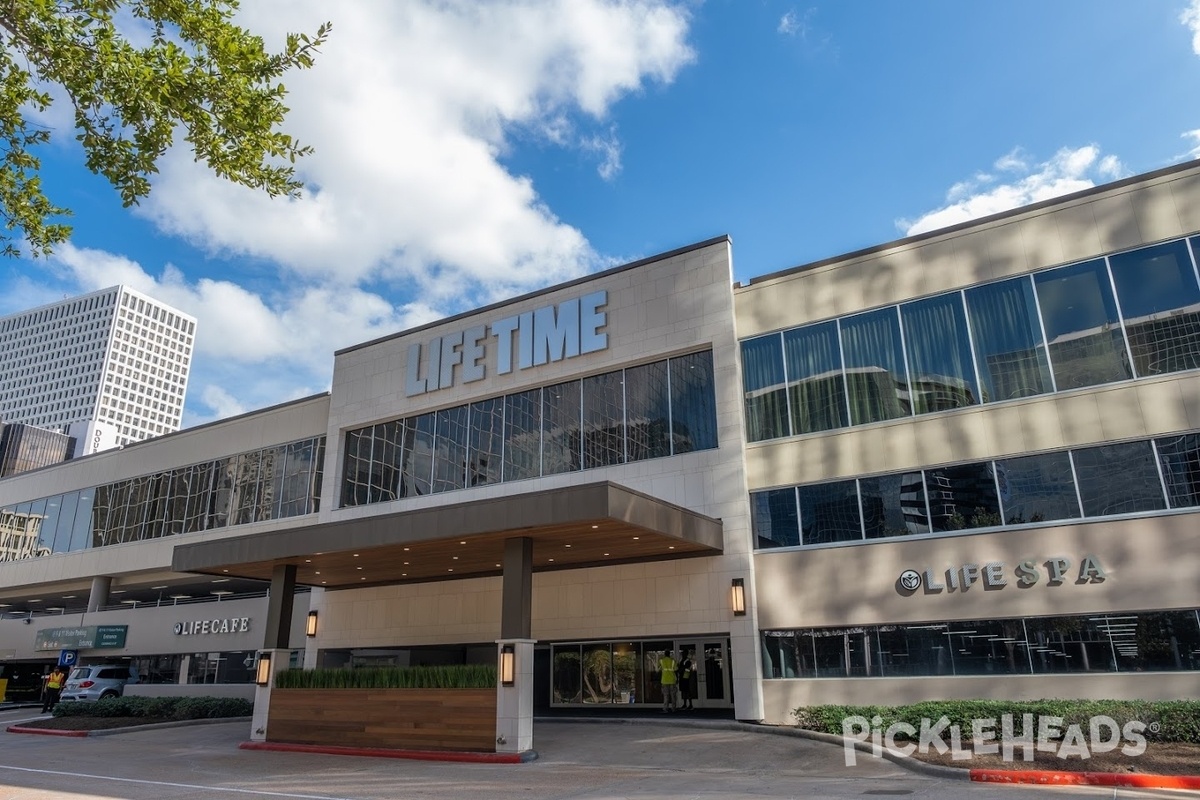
point(552, 333)
point(195, 627)
point(995, 575)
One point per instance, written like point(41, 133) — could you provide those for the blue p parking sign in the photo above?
point(68, 658)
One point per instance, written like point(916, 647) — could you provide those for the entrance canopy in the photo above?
point(571, 527)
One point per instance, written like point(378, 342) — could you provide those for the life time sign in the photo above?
point(996, 575)
point(197, 627)
point(551, 333)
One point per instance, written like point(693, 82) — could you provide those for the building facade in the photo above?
point(115, 358)
point(963, 464)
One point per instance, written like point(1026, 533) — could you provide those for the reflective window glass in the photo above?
point(1086, 344)
point(941, 373)
point(842, 652)
point(200, 496)
point(647, 411)
point(220, 503)
point(157, 506)
point(774, 518)
point(603, 420)
point(693, 403)
point(387, 457)
point(298, 477)
point(523, 435)
point(566, 668)
point(962, 497)
point(49, 527)
point(875, 374)
point(1037, 488)
point(1160, 303)
point(418, 456)
point(1008, 340)
point(274, 471)
point(81, 531)
point(485, 442)
point(450, 449)
point(38, 543)
point(66, 522)
point(318, 471)
point(177, 505)
point(140, 494)
point(1179, 457)
point(894, 505)
point(101, 503)
point(356, 467)
point(562, 448)
point(762, 381)
point(816, 386)
point(597, 674)
point(829, 513)
point(1118, 479)
point(246, 487)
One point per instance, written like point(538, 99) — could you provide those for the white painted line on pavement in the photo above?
point(168, 783)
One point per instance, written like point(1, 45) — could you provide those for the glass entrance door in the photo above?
point(711, 663)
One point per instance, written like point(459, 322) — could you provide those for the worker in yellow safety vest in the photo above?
point(670, 686)
point(54, 685)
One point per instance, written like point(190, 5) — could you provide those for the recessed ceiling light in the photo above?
point(158, 587)
point(566, 545)
point(224, 570)
point(323, 582)
point(462, 542)
point(308, 561)
point(180, 596)
point(5, 605)
point(497, 565)
point(221, 580)
point(552, 559)
point(594, 527)
point(318, 572)
point(606, 554)
point(406, 563)
point(450, 570)
point(406, 549)
point(35, 601)
point(117, 591)
point(362, 579)
point(55, 608)
point(320, 554)
point(403, 574)
point(135, 601)
point(636, 538)
point(358, 567)
point(455, 558)
point(69, 596)
point(218, 592)
point(356, 555)
point(671, 547)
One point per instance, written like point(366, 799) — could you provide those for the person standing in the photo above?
point(687, 683)
point(54, 685)
point(670, 687)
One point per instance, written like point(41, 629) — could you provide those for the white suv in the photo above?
point(98, 682)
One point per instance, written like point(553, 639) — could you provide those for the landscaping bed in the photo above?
point(124, 712)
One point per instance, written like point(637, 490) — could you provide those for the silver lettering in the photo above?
point(1058, 569)
point(591, 320)
point(556, 332)
point(993, 574)
point(473, 354)
point(413, 383)
point(451, 357)
point(1027, 573)
point(432, 370)
point(503, 331)
point(1090, 570)
point(525, 341)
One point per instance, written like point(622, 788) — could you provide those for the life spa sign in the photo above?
point(995, 575)
point(551, 333)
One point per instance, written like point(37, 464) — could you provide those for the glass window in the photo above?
point(387, 457)
point(894, 505)
point(246, 487)
point(875, 375)
point(1008, 340)
point(1179, 457)
point(418, 456)
point(567, 667)
point(101, 503)
point(176, 512)
point(1037, 488)
point(66, 522)
point(49, 527)
point(1118, 479)
point(842, 652)
point(523, 435)
point(647, 411)
point(274, 471)
point(562, 448)
point(829, 513)
point(603, 420)
point(221, 497)
point(1086, 344)
point(816, 385)
point(941, 372)
point(962, 497)
point(626, 671)
point(597, 673)
point(297, 476)
point(157, 506)
point(450, 449)
point(762, 381)
point(774, 518)
point(81, 531)
point(200, 496)
point(693, 403)
point(485, 442)
point(1160, 303)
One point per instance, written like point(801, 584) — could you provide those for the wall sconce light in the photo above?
point(508, 665)
point(262, 675)
point(310, 627)
point(737, 597)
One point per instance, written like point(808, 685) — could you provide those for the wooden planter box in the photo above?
point(403, 719)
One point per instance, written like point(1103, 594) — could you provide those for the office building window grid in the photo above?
point(1133, 477)
point(255, 486)
point(1124, 316)
point(660, 409)
point(1120, 642)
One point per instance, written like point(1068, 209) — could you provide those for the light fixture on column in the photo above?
point(508, 665)
point(310, 627)
point(262, 675)
point(737, 597)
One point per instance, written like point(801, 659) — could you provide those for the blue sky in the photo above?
point(470, 151)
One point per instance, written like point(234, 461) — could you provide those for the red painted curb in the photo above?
point(1131, 780)
point(380, 752)
point(44, 731)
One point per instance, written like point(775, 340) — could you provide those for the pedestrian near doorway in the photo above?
point(54, 685)
point(670, 686)
point(687, 683)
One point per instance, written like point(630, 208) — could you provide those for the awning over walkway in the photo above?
point(572, 527)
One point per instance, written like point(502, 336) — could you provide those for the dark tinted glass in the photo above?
point(816, 386)
point(1008, 340)
point(246, 487)
point(1160, 303)
point(1037, 488)
point(523, 435)
point(387, 461)
point(484, 457)
point(603, 420)
point(1179, 457)
point(693, 403)
point(894, 505)
point(774, 518)
point(450, 449)
point(875, 374)
point(647, 411)
point(81, 532)
point(1086, 345)
point(941, 373)
point(356, 469)
point(829, 513)
point(1118, 479)
point(762, 379)
point(417, 475)
point(962, 497)
point(562, 448)
point(66, 522)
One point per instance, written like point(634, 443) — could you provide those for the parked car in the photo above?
point(98, 682)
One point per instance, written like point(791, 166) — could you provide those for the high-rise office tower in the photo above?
point(110, 367)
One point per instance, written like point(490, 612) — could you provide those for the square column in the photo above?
point(514, 704)
point(262, 694)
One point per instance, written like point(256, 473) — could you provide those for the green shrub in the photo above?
point(455, 676)
point(159, 707)
point(1167, 720)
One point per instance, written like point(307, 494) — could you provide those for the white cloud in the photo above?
point(1194, 152)
point(789, 24)
point(609, 149)
point(1070, 170)
point(410, 107)
point(1190, 17)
